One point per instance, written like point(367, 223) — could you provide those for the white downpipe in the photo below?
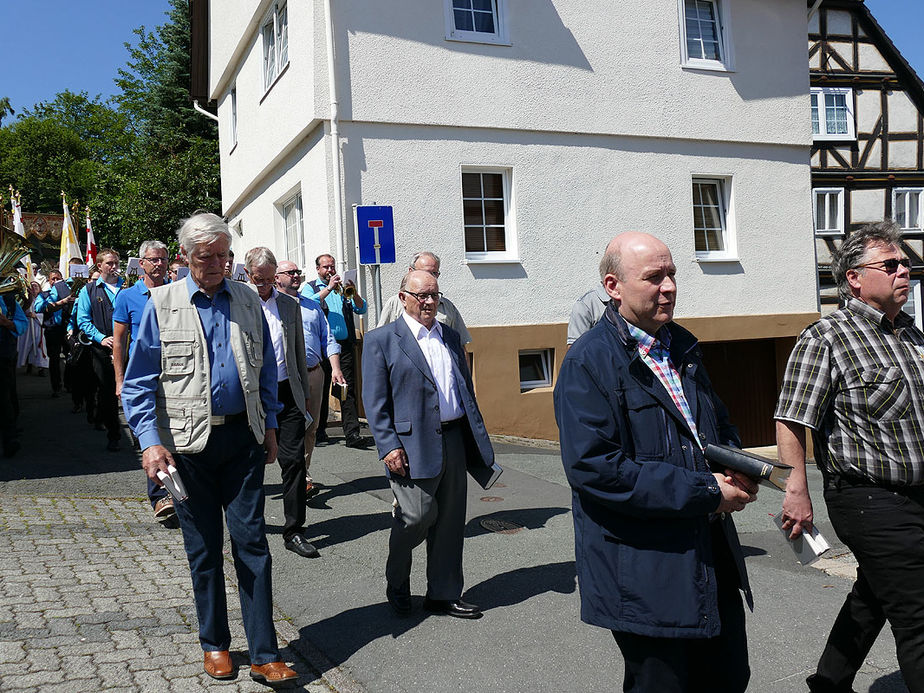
point(336, 164)
point(814, 9)
point(203, 111)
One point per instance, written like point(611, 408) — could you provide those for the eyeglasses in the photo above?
point(889, 265)
point(291, 273)
point(155, 260)
point(422, 298)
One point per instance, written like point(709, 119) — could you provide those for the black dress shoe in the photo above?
point(298, 544)
point(399, 598)
point(321, 439)
point(452, 607)
point(359, 443)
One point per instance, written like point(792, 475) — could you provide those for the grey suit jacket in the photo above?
point(290, 313)
point(402, 404)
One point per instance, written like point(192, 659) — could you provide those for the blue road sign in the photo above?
point(375, 228)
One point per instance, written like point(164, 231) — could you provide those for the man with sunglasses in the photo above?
point(126, 319)
point(856, 379)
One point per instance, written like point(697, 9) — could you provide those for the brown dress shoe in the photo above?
point(218, 664)
point(272, 673)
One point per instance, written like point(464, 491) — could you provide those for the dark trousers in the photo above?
point(290, 436)
point(228, 476)
point(325, 398)
point(79, 374)
point(349, 412)
point(55, 344)
point(8, 401)
point(107, 406)
point(884, 528)
point(432, 510)
point(680, 665)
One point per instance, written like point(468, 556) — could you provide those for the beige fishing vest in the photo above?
point(184, 399)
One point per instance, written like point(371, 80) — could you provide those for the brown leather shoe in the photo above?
point(218, 664)
point(273, 673)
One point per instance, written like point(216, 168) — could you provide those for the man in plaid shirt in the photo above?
point(856, 379)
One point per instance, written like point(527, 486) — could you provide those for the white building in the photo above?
point(514, 138)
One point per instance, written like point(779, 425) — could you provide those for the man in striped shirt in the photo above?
point(856, 379)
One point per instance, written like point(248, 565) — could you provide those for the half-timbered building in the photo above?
point(868, 136)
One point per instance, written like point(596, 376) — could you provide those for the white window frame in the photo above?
point(298, 248)
point(896, 193)
point(838, 228)
point(499, 37)
point(547, 359)
point(913, 304)
point(511, 254)
point(726, 63)
point(279, 45)
point(233, 123)
point(822, 135)
point(726, 199)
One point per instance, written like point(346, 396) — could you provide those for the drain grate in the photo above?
point(501, 526)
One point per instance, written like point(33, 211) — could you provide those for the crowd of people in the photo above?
point(218, 378)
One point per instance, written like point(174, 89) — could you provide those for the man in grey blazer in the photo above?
point(420, 403)
point(284, 317)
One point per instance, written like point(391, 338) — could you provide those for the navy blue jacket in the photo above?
point(402, 403)
point(642, 493)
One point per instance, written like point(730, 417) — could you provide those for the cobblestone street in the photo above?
point(95, 596)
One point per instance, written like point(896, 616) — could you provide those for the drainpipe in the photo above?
point(336, 164)
point(814, 9)
point(203, 111)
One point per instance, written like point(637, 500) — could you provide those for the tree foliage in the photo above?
point(143, 161)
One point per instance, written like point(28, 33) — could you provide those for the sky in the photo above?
point(52, 45)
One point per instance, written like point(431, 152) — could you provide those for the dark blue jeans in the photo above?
point(228, 476)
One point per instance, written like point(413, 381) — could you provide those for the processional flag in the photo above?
point(18, 227)
point(91, 242)
point(70, 250)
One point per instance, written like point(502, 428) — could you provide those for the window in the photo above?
point(487, 215)
point(906, 208)
point(536, 368)
point(913, 304)
point(275, 43)
point(233, 116)
point(480, 21)
point(829, 211)
point(832, 114)
point(294, 229)
point(704, 34)
point(712, 225)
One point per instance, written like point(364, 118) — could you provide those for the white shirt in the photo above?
point(271, 311)
point(440, 361)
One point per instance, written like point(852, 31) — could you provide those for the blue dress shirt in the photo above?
point(44, 299)
point(128, 308)
point(319, 340)
point(334, 302)
point(20, 321)
point(85, 317)
point(139, 390)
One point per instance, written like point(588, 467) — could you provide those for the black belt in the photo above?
point(228, 419)
point(449, 425)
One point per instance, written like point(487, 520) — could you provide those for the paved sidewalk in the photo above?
point(95, 596)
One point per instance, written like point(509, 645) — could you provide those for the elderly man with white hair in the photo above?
point(200, 394)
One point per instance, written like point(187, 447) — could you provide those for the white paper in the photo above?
point(181, 272)
point(77, 271)
point(808, 546)
point(134, 268)
point(349, 276)
point(173, 483)
point(239, 274)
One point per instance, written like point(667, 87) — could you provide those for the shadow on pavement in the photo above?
point(529, 518)
point(338, 530)
point(518, 585)
point(892, 683)
point(365, 484)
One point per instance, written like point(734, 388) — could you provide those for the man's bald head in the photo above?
point(617, 247)
point(417, 284)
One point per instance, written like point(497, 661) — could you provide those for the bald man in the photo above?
point(657, 554)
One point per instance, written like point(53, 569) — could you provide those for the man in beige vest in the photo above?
point(200, 395)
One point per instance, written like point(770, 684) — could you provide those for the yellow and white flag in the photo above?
point(70, 250)
point(21, 230)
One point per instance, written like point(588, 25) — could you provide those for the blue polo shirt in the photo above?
point(128, 307)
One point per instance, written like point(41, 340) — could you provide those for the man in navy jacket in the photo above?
point(657, 555)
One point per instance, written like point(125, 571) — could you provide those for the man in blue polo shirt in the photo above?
point(94, 318)
point(126, 319)
point(57, 311)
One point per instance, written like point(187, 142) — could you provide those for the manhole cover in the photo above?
point(491, 499)
point(501, 526)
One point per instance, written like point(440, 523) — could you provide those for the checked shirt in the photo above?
point(857, 381)
point(655, 353)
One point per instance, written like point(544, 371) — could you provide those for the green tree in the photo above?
point(5, 108)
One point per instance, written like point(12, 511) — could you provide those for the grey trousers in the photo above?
point(432, 509)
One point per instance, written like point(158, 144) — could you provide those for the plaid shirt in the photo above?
point(655, 353)
point(857, 381)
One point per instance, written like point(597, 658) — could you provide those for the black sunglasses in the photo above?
point(291, 273)
point(889, 265)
